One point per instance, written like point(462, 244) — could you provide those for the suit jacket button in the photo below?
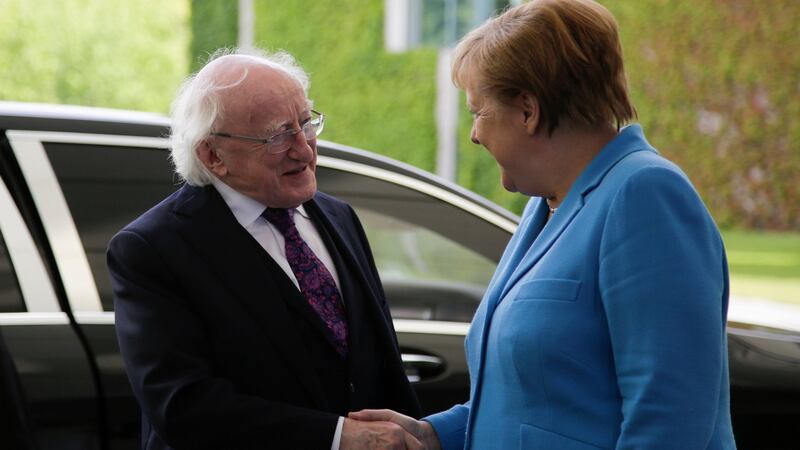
point(352, 387)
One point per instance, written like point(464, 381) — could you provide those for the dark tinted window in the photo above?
point(435, 259)
point(106, 188)
point(10, 295)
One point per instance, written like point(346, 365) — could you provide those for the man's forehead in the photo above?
point(265, 95)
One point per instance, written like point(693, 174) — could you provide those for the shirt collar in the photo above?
point(246, 210)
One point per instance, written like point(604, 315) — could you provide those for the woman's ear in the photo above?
point(210, 159)
point(530, 111)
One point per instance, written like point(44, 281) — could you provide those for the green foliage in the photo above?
point(372, 99)
point(716, 84)
point(214, 24)
point(111, 53)
point(764, 265)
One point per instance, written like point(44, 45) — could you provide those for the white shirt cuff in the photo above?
point(337, 436)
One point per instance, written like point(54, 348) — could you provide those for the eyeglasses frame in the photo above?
point(271, 140)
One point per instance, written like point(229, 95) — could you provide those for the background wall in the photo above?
point(716, 82)
point(113, 53)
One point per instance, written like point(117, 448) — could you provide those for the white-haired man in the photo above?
point(248, 307)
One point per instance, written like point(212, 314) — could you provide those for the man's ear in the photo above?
point(209, 156)
point(530, 111)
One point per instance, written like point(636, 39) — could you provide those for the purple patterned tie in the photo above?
point(316, 283)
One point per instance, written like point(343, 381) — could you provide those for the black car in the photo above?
point(73, 176)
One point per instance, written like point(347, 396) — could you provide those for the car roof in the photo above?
point(86, 119)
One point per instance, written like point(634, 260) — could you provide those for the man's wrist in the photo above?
point(337, 435)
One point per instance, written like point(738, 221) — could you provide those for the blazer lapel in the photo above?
point(545, 239)
point(252, 278)
point(629, 140)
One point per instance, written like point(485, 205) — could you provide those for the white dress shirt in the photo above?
point(247, 212)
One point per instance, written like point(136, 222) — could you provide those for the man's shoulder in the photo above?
point(322, 197)
point(330, 204)
point(158, 216)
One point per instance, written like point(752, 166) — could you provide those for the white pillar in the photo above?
point(446, 117)
point(246, 20)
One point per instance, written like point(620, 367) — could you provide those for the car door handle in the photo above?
point(420, 367)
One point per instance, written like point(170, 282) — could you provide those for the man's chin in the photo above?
point(297, 199)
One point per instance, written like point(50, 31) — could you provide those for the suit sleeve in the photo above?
point(164, 345)
point(663, 281)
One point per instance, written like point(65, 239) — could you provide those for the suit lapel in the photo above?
point(333, 228)
point(248, 273)
point(365, 308)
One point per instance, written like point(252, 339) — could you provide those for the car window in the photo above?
point(426, 275)
point(435, 259)
point(106, 187)
point(10, 294)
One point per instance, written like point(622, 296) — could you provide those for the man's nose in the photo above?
point(473, 136)
point(301, 148)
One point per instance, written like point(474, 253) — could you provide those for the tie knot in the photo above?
point(282, 218)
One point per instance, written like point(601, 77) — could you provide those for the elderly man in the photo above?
point(248, 307)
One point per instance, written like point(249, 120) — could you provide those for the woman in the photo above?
point(604, 325)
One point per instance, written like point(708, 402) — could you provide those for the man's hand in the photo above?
point(419, 429)
point(376, 435)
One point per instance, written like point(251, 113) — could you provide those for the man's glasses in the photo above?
point(281, 142)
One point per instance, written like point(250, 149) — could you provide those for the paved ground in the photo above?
point(764, 312)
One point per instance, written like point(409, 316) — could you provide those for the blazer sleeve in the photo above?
point(451, 426)
point(164, 345)
point(663, 281)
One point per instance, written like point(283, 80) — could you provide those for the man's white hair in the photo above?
point(198, 106)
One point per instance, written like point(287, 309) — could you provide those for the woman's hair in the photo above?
point(199, 105)
point(566, 53)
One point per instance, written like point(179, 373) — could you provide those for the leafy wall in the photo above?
point(111, 53)
point(715, 83)
point(717, 87)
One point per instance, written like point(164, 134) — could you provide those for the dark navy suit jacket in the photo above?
point(221, 349)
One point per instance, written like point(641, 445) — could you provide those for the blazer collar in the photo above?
point(629, 140)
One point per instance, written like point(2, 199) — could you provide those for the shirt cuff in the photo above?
point(337, 436)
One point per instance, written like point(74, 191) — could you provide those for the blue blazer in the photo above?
point(603, 328)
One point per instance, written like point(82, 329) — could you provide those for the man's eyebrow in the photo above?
point(277, 125)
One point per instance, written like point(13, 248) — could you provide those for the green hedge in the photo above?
point(214, 24)
point(111, 53)
point(715, 84)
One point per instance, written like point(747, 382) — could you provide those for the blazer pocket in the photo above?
point(549, 289)
point(534, 438)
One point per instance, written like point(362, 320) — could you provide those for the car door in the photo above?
point(48, 351)
point(86, 187)
point(436, 247)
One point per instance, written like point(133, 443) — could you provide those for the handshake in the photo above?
point(386, 429)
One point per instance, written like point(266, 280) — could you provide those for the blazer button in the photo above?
point(352, 387)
